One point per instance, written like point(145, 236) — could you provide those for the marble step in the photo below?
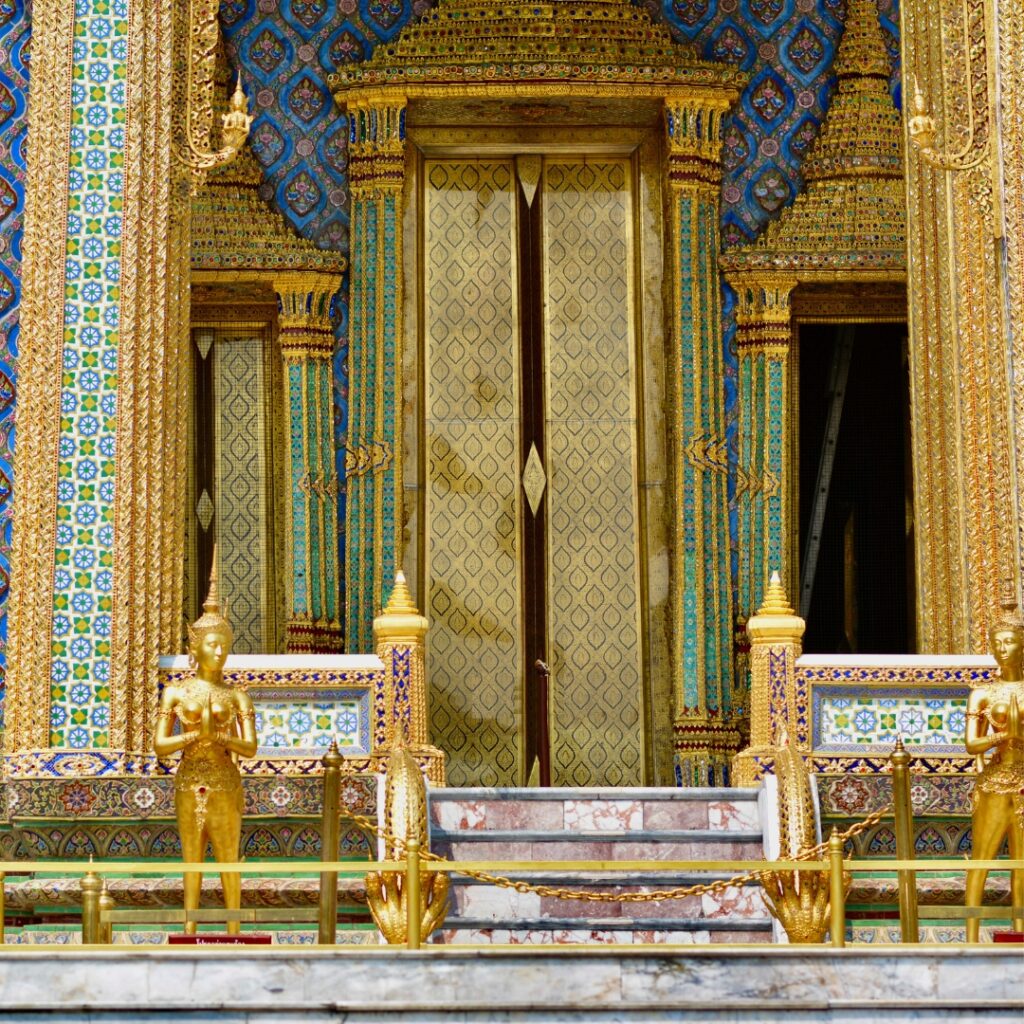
point(595, 810)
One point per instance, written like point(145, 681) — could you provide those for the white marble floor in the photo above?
point(372, 986)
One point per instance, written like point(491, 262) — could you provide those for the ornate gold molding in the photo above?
point(201, 61)
point(153, 376)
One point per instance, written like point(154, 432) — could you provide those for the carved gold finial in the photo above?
point(405, 821)
point(400, 602)
point(775, 600)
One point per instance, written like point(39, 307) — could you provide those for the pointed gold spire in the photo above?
point(775, 600)
point(862, 133)
point(851, 215)
point(400, 602)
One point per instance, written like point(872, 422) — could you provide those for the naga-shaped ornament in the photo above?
point(798, 900)
point(405, 819)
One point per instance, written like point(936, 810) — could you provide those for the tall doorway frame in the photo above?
point(641, 147)
point(412, 80)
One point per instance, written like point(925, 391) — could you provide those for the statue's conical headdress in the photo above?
point(1009, 617)
point(212, 620)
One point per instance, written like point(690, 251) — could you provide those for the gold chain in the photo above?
point(655, 896)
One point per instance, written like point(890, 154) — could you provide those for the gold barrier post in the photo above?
point(106, 904)
point(329, 836)
point(91, 887)
point(3, 908)
point(837, 890)
point(412, 894)
point(903, 816)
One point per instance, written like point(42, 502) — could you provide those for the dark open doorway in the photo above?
point(854, 395)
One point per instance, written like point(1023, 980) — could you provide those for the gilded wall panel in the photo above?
point(594, 613)
point(966, 516)
point(471, 434)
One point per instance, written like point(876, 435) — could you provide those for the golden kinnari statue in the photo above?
point(994, 723)
point(213, 725)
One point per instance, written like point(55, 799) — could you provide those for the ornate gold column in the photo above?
point(96, 591)
point(307, 345)
point(376, 171)
point(763, 335)
point(968, 523)
point(1010, 232)
point(706, 722)
point(98, 539)
point(775, 644)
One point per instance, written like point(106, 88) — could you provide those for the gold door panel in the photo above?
point(472, 500)
point(594, 610)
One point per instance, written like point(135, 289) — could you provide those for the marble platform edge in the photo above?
point(559, 795)
point(695, 835)
point(449, 982)
point(614, 924)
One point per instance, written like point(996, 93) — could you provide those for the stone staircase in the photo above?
point(606, 825)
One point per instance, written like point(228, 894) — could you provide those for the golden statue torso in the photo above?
point(1003, 772)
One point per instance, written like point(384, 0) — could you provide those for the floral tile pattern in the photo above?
point(83, 576)
point(935, 719)
point(307, 725)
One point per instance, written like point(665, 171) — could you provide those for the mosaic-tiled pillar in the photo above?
point(763, 333)
point(307, 346)
point(706, 734)
point(373, 474)
point(96, 590)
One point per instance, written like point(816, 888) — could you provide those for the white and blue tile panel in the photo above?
point(83, 560)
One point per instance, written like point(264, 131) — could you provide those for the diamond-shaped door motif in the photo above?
point(204, 510)
point(534, 479)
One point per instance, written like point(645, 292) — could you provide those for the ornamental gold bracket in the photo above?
point(204, 32)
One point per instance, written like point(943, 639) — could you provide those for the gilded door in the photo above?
point(531, 536)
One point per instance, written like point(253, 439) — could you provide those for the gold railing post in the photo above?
point(3, 908)
point(106, 904)
point(903, 819)
point(837, 890)
point(329, 836)
point(91, 888)
point(412, 894)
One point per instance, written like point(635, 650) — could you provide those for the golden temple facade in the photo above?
point(546, 305)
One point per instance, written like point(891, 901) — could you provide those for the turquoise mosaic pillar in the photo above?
point(706, 729)
point(763, 483)
point(373, 473)
point(307, 346)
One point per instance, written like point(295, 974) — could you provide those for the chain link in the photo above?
point(590, 896)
